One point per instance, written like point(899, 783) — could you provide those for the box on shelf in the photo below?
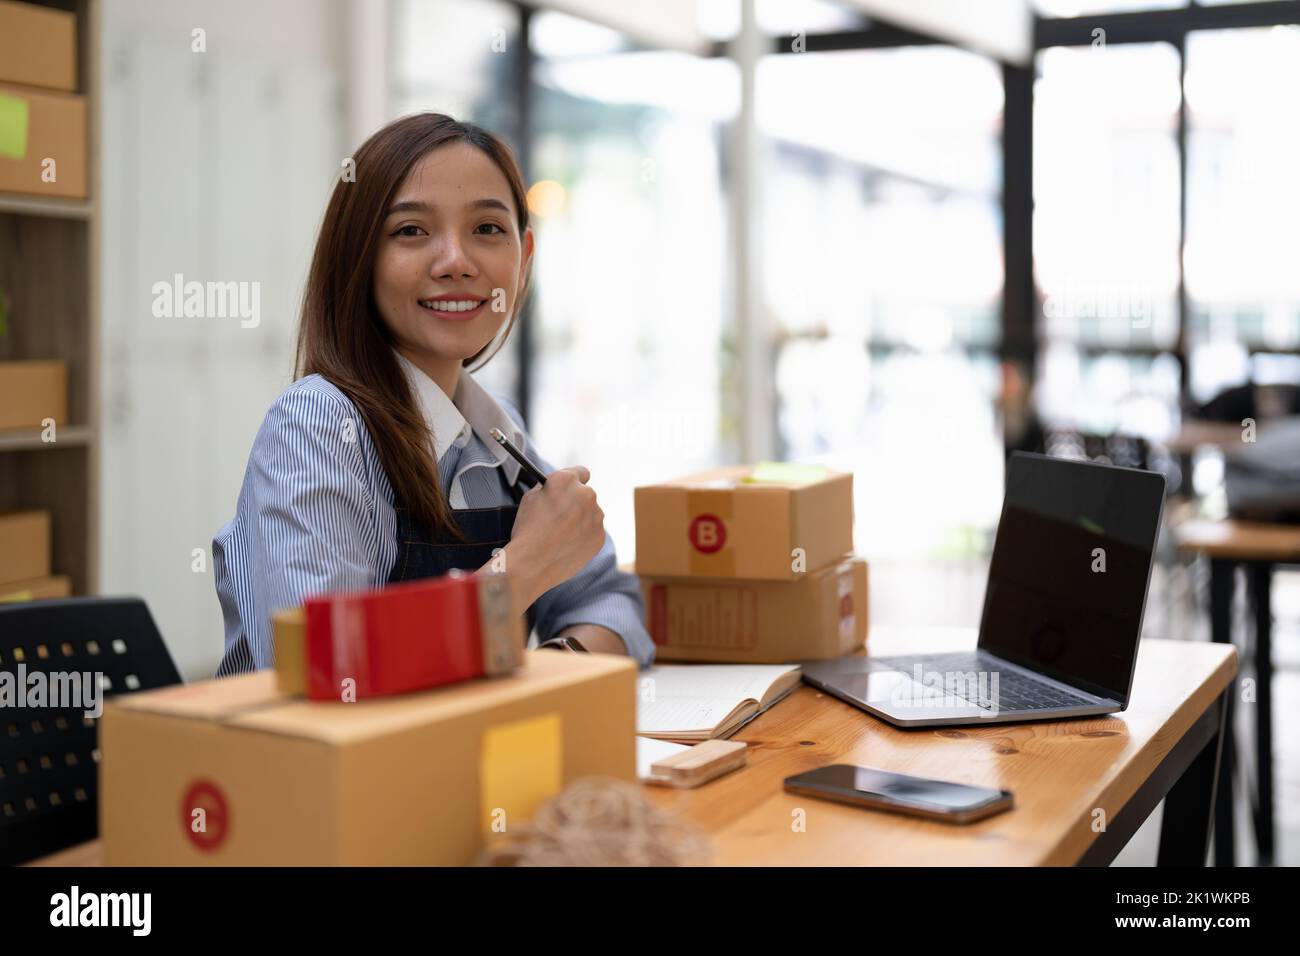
point(36, 589)
point(821, 615)
point(24, 546)
point(734, 522)
point(32, 391)
point(234, 772)
point(42, 142)
point(38, 46)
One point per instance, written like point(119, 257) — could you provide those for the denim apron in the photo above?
point(422, 556)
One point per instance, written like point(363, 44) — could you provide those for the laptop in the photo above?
point(1063, 608)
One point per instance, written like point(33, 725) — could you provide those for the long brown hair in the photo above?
point(342, 336)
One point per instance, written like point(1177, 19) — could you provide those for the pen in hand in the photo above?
point(537, 477)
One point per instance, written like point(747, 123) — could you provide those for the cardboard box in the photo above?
point(31, 392)
point(37, 589)
point(233, 772)
point(822, 615)
point(36, 126)
point(38, 46)
point(24, 546)
point(717, 525)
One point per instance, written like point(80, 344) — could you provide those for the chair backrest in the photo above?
point(1127, 451)
point(59, 659)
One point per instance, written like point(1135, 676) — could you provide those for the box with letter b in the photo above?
point(751, 565)
point(773, 521)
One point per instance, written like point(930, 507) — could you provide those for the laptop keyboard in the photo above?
point(1015, 691)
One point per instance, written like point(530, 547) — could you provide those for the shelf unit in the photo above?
point(49, 258)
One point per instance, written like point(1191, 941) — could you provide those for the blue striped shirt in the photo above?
point(316, 513)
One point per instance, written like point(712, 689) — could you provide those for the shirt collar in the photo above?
point(471, 409)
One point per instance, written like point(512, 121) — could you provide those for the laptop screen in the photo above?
point(1071, 564)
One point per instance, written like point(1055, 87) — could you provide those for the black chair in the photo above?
point(49, 781)
point(1128, 451)
point(1117, 448)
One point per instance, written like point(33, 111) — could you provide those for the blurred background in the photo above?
point(900, 237)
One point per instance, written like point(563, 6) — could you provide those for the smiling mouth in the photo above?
point(452, 307)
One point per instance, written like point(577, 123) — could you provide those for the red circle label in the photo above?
point(206, 796)
point(708, 533)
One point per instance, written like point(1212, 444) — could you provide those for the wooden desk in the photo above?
point(1241, 540)
point(1061, 772)
point(83, 854)
point(1257, 547)
point(1195, 434)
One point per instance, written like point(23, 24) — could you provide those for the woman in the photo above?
point(376, 464)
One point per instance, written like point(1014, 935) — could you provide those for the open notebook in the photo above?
point(694, 702)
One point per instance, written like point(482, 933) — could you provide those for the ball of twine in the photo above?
point(599, 821)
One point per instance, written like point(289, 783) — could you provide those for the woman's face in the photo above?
point(451, 260)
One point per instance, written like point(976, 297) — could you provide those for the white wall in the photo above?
point(216, 165)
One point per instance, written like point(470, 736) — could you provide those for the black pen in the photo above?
point(517, 455)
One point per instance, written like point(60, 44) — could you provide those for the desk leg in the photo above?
point(1190, 803)
point(1222, 574)
point(1261, 580)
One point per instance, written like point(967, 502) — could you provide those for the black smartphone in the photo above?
point(899, 793)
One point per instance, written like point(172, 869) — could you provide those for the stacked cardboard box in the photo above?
point(42, 152)
point(42, 118)
point(751, 565)
point(25, 558)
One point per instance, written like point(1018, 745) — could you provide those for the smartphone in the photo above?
point(899, 793)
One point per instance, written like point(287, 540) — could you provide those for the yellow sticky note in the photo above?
point(521, 765)
point(787, 473)
point(13, 126)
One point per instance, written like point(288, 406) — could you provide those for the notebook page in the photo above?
point(680, 714)
point(698, 696)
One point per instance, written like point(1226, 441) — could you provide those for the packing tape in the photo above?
point(847, 610)
point(347, 635)
point(500, 628)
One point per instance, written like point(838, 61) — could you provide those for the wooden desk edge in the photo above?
point(1123, 788)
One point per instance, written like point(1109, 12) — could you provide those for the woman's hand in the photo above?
point(559, 528)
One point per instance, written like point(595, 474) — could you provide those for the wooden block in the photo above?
point(704, 762)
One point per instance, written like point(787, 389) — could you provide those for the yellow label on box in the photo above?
point(13, 126)
point(520, 767)
point(787, 473)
